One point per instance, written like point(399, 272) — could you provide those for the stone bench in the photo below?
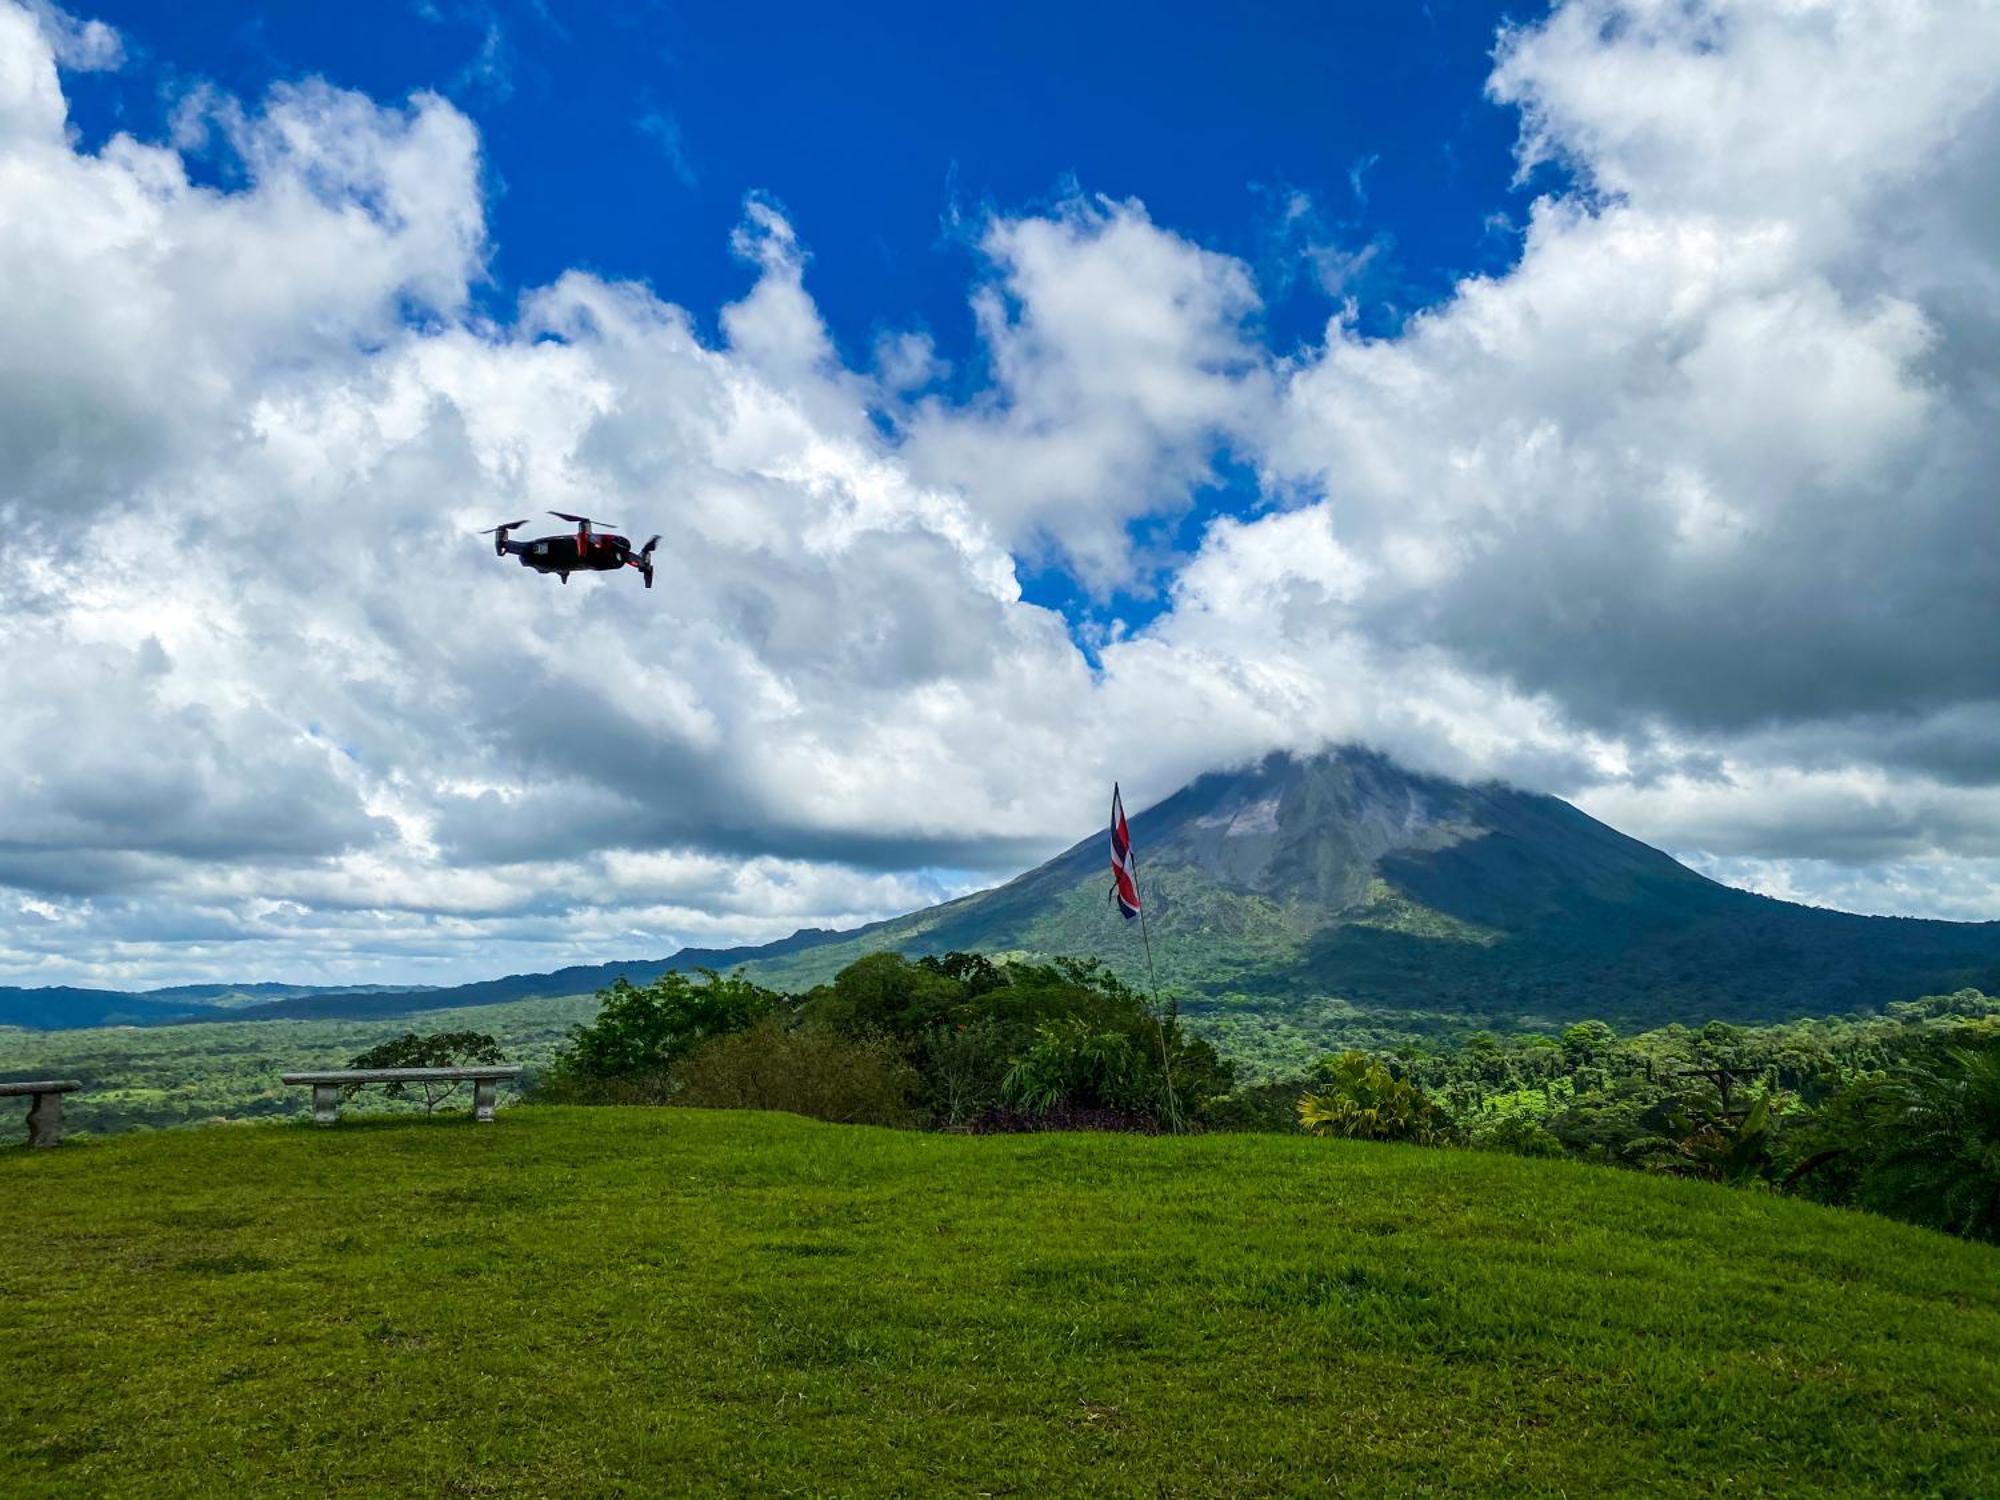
point(326, 1086)
point(45, 1107)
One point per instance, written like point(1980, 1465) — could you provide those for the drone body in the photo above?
point(581, 551)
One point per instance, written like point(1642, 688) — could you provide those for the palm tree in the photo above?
point(1363, 1100)
point(1940, 1161)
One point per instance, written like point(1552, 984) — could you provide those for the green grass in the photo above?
point(600, 1302)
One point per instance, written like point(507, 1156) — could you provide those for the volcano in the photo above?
point(1342, 885)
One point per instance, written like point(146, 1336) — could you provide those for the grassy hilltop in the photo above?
point(648, 1301)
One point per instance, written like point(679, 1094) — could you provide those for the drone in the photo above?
point(587, 551)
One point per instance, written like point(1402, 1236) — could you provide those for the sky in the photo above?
point(1601, 398)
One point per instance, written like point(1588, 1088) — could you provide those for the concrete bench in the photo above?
point(45, 1107)
point(326, 1086)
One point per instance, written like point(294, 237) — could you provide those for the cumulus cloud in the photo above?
point(1687, 514)
point(1120, 361)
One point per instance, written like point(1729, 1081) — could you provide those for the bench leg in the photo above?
point(326, 1103)
point(485, 1091)
point(45, 1120)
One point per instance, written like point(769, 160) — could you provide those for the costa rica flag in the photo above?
point(1124, 869)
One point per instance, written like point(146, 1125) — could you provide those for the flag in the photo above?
point(1124, 869)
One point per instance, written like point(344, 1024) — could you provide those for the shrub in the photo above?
point(810, 1070)
point(964, 1069)
point(1517, 1134)
point(1074, 1063)
point(1362, 1100)
point(626, 1056)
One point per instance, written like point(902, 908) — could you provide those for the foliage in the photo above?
point(1721, 1148)
point(1358, 1098)
point(807, 1070)
point(1899, 1114)
point(963, 1070)
point(1068, 1035)
point(627, 1054)
point(648, 1302)
point(1933, 1152)
point(1071, 1062)
point(438, 1049)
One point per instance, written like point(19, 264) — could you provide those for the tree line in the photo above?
point(1897, 1113)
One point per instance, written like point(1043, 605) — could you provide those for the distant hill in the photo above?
point(1335, 888)
point(62, 1006)
point(579, 979)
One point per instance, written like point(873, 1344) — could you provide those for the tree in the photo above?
point(885, 992)
point(1938, 1161)
point(1362, 1100)
point(1076, 1064)
point(441, 1049)
point(628, 1052)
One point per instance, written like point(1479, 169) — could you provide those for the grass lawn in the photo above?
point(599, 1302)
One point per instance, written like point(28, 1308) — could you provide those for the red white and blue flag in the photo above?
point(1124, 869)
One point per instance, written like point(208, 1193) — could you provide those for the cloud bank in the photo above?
point(1689, 515)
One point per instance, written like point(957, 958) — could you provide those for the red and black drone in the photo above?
point(586, 551)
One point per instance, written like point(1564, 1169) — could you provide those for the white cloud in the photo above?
point(1120, 358)
point(1688, 514)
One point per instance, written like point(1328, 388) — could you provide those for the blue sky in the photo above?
point(625, 137)
point(1597, 398)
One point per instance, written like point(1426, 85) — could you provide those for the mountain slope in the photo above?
point(60, 1006)
point(1344, 878)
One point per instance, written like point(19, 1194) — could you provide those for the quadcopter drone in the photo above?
point(586, 551)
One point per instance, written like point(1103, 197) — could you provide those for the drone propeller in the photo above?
point(489, 531)
point(563, 515)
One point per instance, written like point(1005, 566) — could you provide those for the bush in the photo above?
point(811, 1070)
point(1518, 1135)
point(964, 1069)
point(1076, 1064)
point(626, 1056)
point(1362, 1100)
point(1038, 1037)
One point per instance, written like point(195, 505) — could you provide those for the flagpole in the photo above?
point(1174, 1121)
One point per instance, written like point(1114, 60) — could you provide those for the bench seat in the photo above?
point(327, 1084)
point(45, 1106)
